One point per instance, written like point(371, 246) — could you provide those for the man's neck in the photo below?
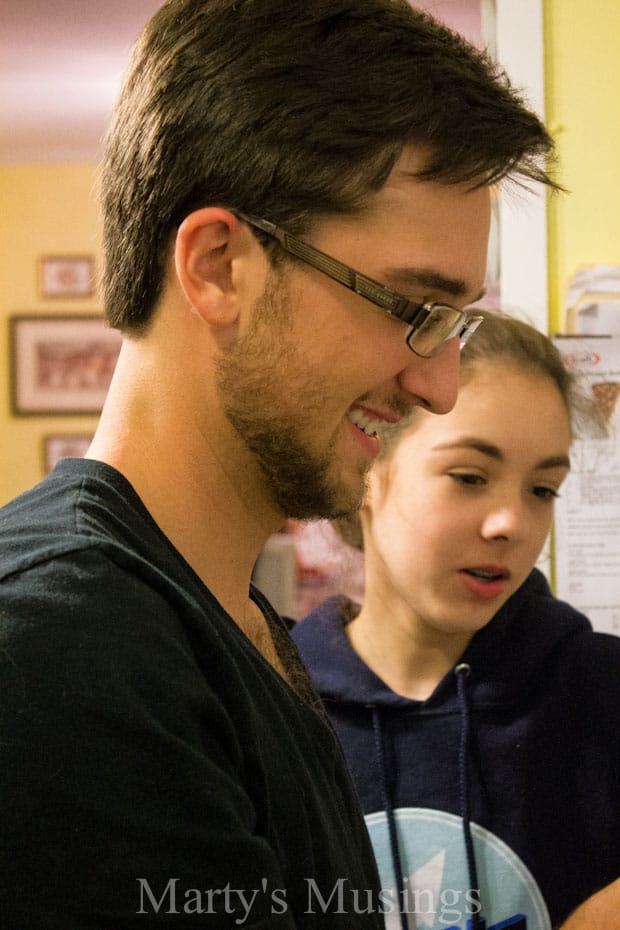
point(198, 483)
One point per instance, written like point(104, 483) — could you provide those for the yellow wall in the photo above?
point(582, 62)
point(45, 210)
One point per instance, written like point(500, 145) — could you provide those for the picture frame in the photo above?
point(59, 446)
point(61, 364)
point(66, 276)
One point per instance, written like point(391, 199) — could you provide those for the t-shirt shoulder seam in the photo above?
point(63, 550)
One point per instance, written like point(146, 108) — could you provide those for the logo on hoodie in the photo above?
point(436, 892)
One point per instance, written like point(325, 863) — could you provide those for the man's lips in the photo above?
point(486, 581)
point(372, 420)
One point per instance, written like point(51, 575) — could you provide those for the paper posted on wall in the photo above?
point(592, 306)
point(587, 516)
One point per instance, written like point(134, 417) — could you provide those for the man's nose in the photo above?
point(435, 380)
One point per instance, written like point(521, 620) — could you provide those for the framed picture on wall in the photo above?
point(61, 364)
point(66, 275)
point(62, 446)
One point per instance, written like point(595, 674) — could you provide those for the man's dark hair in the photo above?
point(290, 110)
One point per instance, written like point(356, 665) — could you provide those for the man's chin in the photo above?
point(345, 498)
point(325, 510)
point(329, 502)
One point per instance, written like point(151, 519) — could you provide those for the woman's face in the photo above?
point(455, 520)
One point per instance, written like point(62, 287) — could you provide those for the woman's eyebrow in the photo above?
point(555, 461)
point(494, 452)
point(471, 442)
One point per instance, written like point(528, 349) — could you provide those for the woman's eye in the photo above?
point(471, 480)
point(545, 494)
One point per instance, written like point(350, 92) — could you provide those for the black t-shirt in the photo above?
point(154, 768)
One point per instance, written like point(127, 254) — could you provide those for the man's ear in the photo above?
point(207, 243)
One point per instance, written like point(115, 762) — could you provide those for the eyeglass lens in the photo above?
point(442, 324)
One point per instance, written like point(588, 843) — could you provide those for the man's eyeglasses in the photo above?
point(432, 325)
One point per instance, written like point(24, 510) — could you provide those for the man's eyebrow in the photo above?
point(493, 452)
point(408, 279)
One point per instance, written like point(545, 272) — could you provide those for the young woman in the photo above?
point(480, 716)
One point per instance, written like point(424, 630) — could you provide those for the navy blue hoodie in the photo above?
point(496, 801)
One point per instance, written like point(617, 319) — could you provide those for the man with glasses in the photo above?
point(431, 325)
point(163, 758)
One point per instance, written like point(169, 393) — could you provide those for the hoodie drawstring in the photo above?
point(462, 673)
point(386, 780)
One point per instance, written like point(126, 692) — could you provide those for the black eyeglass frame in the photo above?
point(417, 316)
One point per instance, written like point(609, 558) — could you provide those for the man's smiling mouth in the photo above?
point(373, 423)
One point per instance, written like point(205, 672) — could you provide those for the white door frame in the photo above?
point(514, 31)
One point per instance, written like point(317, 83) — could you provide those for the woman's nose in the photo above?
point(505, 521)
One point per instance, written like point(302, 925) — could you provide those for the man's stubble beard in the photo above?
point(261, 369)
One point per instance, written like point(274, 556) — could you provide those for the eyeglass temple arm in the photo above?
point(398, 306)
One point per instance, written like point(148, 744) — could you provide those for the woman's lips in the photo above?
point(486, 581)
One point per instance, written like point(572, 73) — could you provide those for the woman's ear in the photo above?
point(376, 487)
point(207, 243)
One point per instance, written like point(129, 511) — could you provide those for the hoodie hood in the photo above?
point(504, 656)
